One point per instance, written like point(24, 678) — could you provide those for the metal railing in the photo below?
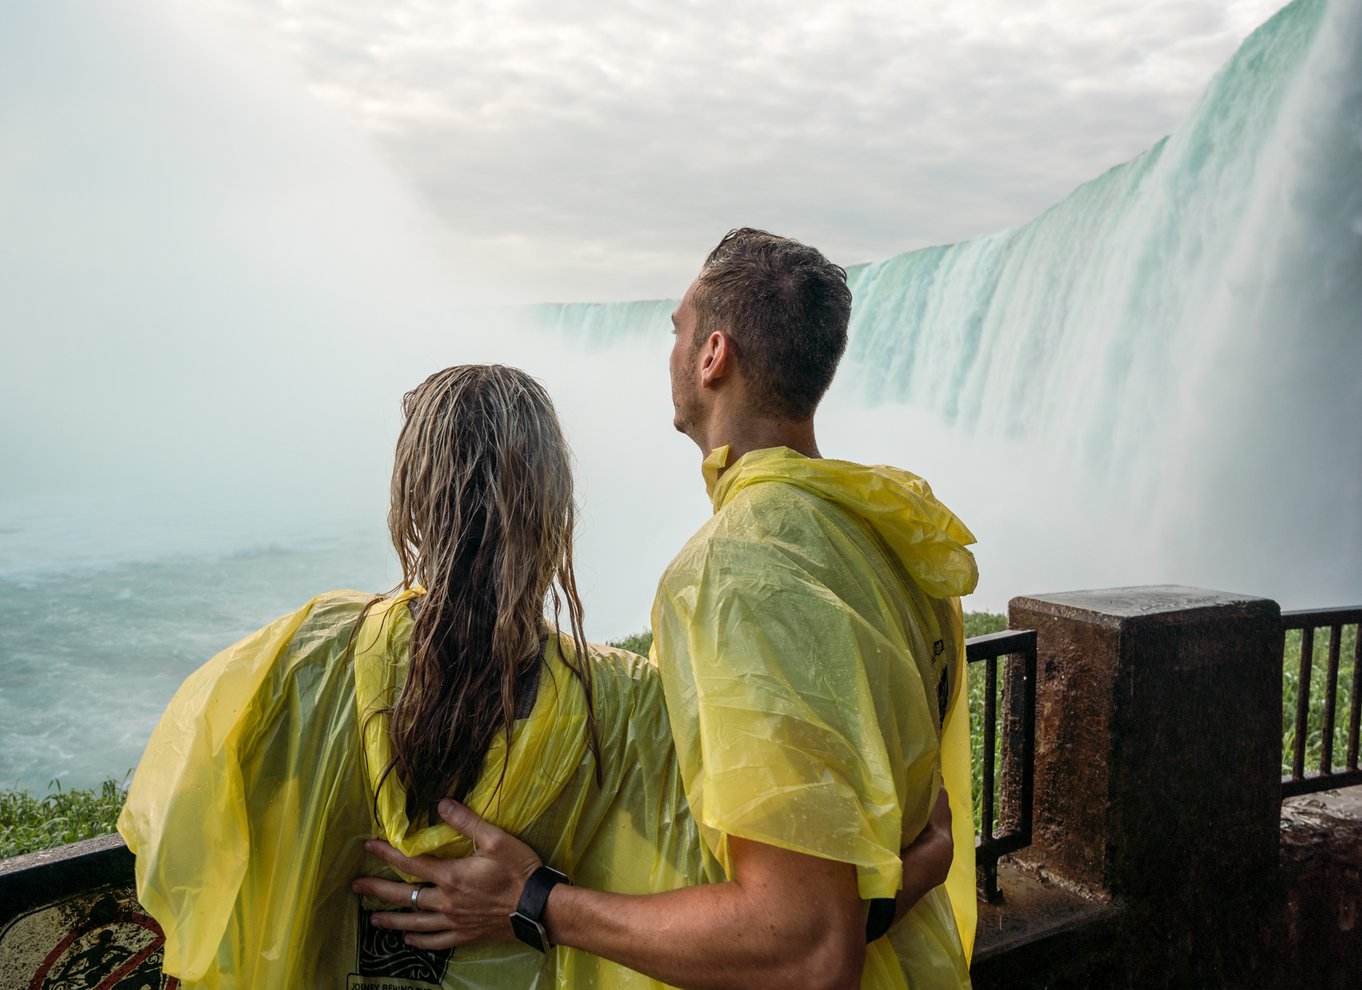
point(1308, 622)
point(1018, 750)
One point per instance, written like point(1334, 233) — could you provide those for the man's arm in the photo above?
point(927, 861)
point(785, 919)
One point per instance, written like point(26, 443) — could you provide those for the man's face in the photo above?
point(685, 374)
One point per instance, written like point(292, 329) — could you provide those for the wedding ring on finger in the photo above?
point(415, 893)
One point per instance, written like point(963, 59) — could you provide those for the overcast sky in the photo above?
point(595, 150)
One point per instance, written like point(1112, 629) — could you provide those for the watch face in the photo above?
point(529, 931)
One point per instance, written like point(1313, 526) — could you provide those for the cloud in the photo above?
point(596, 150)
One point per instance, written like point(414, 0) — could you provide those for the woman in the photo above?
point(352, 717)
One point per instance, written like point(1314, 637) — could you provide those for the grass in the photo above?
point(29, 823)
point(1319, 672)
point(639, 643)
point(981, 624)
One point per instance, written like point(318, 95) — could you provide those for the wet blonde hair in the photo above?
point(482, 517)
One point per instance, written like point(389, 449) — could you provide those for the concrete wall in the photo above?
point(1162, 856)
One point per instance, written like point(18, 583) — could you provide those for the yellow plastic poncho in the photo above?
point(812, 653)
point(249, 807)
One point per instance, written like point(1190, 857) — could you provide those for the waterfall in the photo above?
point(1167, 364)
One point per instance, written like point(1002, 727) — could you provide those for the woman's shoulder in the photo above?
point(618, 661)
point(316, 635)
point(630, 708)
point(334, 613)
point(620, 676)
point(340, 605)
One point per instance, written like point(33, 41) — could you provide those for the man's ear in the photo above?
point(718, 359)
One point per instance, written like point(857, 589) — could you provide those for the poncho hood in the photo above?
point(925, 535)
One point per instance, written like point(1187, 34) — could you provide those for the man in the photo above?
point(810, 646)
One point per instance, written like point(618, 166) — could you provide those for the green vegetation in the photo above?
point(639, 643)
point(981, 624)
point(1319, 675)
point(29, 823)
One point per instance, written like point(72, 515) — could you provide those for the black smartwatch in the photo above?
point(527, 921)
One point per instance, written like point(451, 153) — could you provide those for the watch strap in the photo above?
point(879, 918)
point(535, 896)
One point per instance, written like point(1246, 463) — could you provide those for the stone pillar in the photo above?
point(1158, 758)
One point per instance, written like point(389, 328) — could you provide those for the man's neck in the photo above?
point(743, 434)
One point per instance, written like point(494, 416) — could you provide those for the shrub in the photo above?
point(29, 823)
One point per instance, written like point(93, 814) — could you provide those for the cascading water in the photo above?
point(1164, 370)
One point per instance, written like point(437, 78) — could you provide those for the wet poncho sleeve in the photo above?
point(216, 792)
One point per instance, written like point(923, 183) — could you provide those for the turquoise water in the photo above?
point(91, 653)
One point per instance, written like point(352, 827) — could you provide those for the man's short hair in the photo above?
point(785, 308)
